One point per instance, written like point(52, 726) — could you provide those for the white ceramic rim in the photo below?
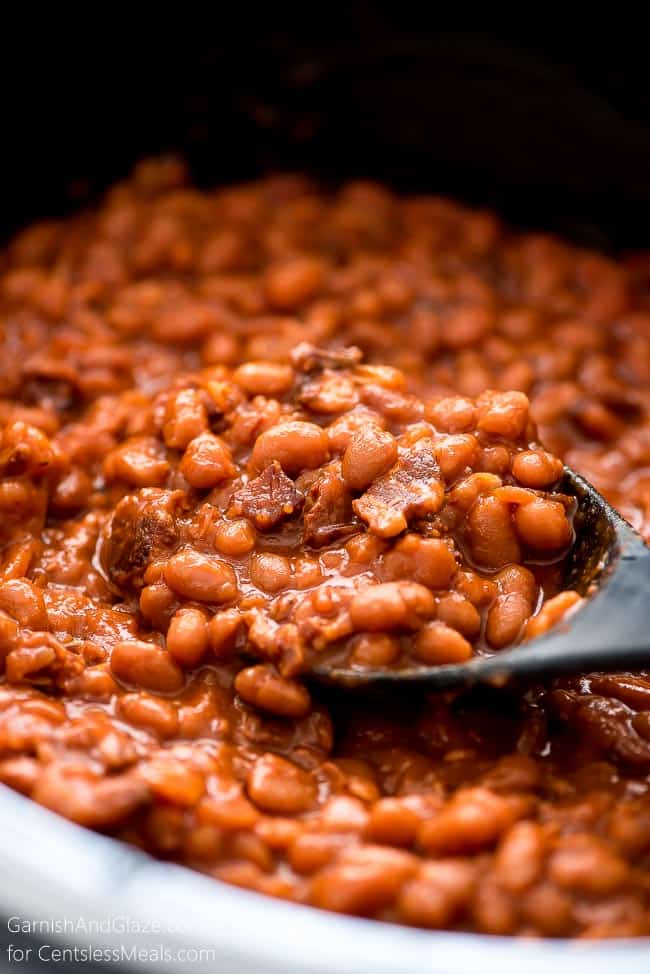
point(53, 869)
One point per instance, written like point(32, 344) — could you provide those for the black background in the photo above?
point(551, 127)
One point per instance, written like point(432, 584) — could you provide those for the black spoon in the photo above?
point(609, 563)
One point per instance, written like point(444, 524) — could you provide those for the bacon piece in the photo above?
point(413, 487)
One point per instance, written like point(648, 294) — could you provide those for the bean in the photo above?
point(264, 378)
point(370, 453)
point(185, 418)
point(392, 822)
point(270, 572)
point(506, 619)
point(367, 881)
point(457, 455)
point(24, 602)
point(206, 462)
point(491, 533)
point(139, 461)
point(294, 282)
point(222, 632)
point(296, 446)
point(375, 649)
point(551, 613)
point(236, 537)
point(520, 856)
point(391, 605)
point(436, 643)
point(537, 469)
point(474, 819)
point(187, 636)
point(151, 713)
point(146, 665)
point(588, 865)
point(197, 576)
point(437, 893)
point(261, 687)
point(504, 414)
point(458, 613)
point(453, 414)
point(429, 561)
point(277, 785)
point(543, 525)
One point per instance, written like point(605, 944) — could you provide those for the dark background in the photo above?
point(552, 128)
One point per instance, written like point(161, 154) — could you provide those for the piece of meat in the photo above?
point(268, 499)
point(413, 487)
point(328, 509)
point(142, 528)
point(310, 358)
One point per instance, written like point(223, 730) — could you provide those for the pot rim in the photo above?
point(60, 873)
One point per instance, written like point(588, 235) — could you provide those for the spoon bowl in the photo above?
point(609, 564)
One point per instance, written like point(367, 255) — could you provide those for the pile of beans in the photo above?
point(247, 429)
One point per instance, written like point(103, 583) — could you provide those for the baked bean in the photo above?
point(277, 833)
point(95, 683)
point(295, 445)
point(543, 525)
point(392, 822)
point(206, 462)
point(344, 814)
point(236, 537)
point(453, 414)
point(495, 459)
point(437, 893)
point(311, 851)
point(493, 910)
point(187, 637)
point(231, 811)
point(537, 468)
point(270, 572)
point(88, 800)
point(146, 665)
point(375, 649)
point(456, 455)
point(520, 857)
point(261, 687)
point(506, 619)
point(294, 282)
point(479, 591)
point(24, 602)
point(197, 576)
point(173, 782)
point(277, 785)
point(586, 863)
point(551, 613)
point(154, 714)
point(139, 462)
point(222, 632)
point(547, 909)
point(364, 881)
point(436, 643)
point(491, 533)
point(456, 612)
point(392, 605)
point(185, 418)
point(474, 819)
point(429, 561)
point(264, 378)
point(504, 414)
point(370, 453)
